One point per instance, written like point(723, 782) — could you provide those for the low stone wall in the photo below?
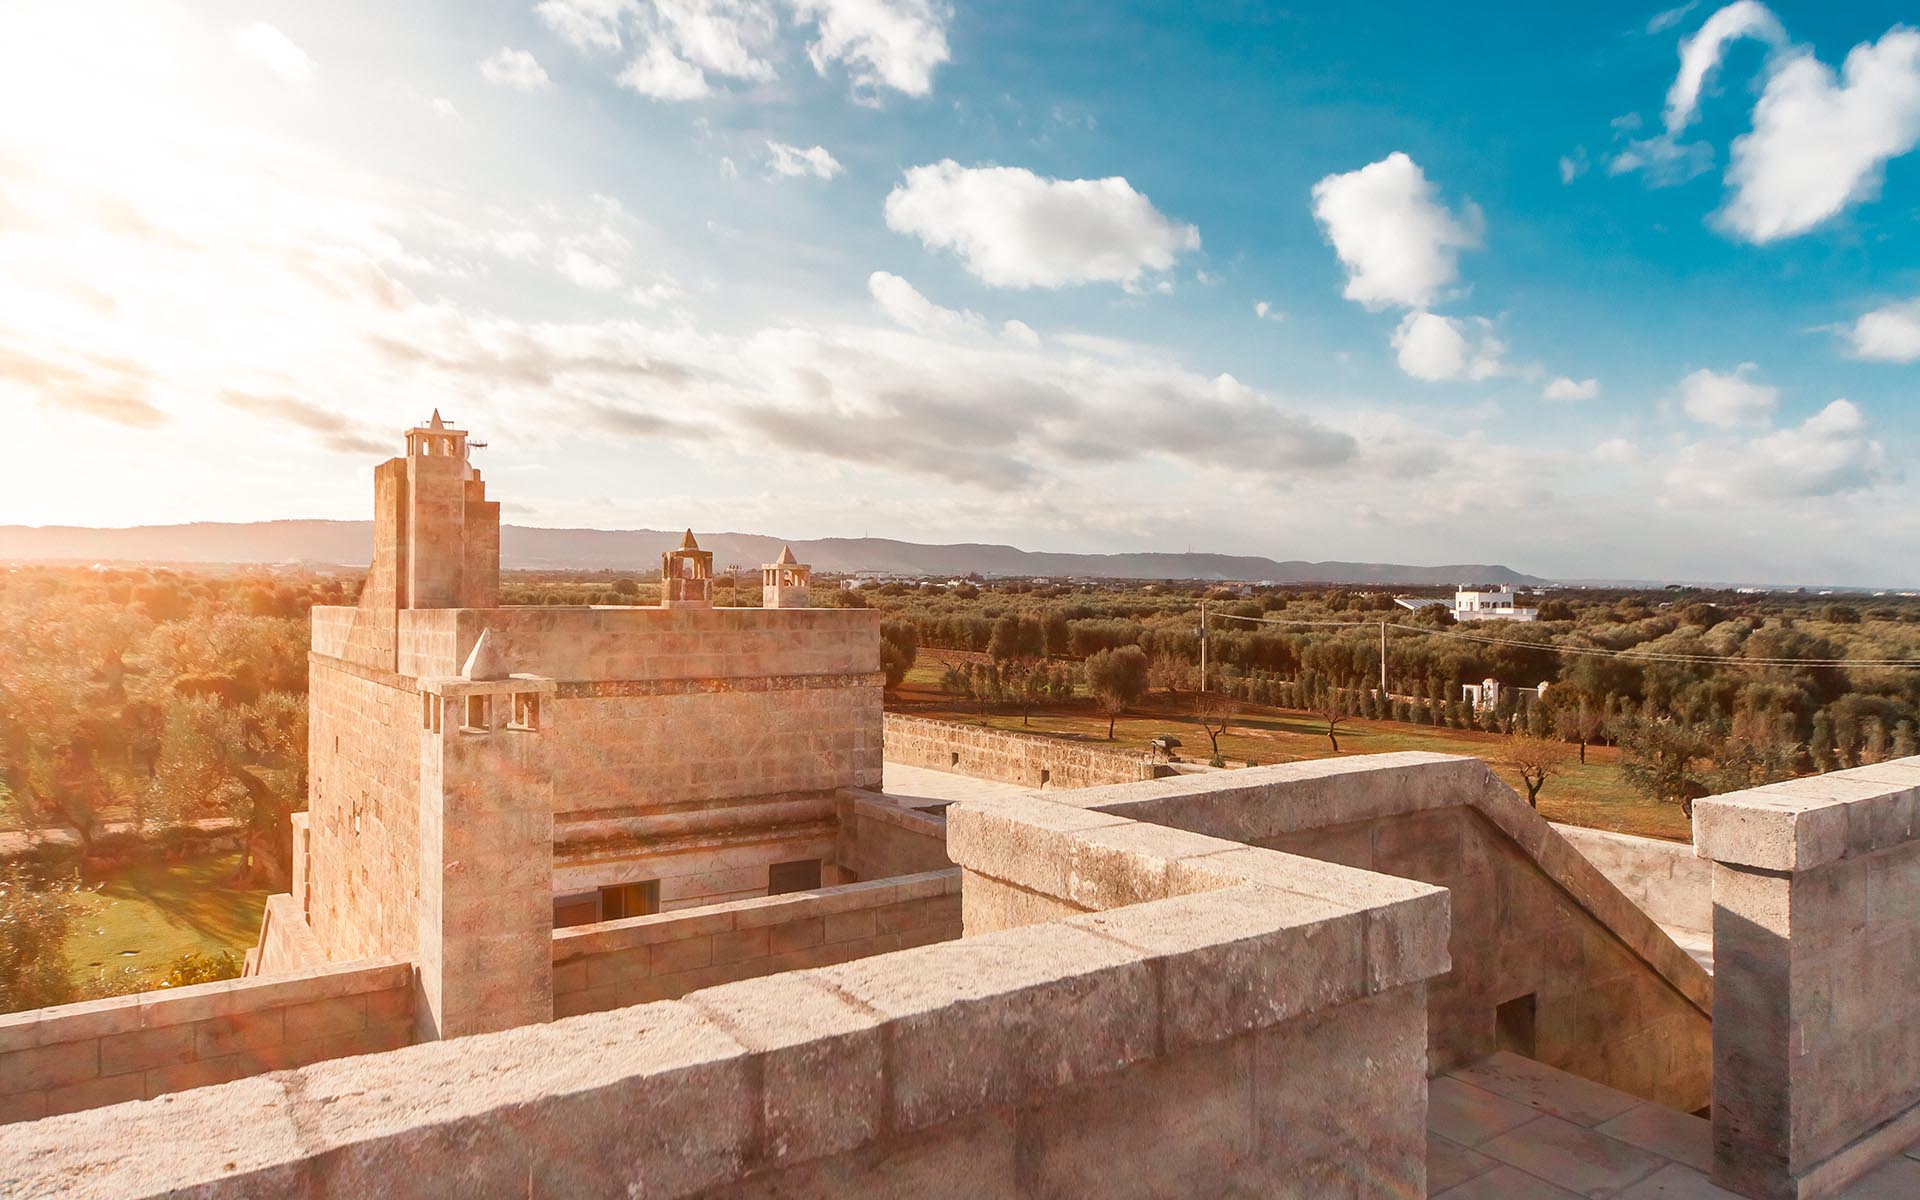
point(1030, 759)
point(1236, 1031)
point(1816, 1017)
point(1549, 958)
point(286, 942)
point(1666, 879)
point(877, 839)
point(80, 1056)
point(613, 964)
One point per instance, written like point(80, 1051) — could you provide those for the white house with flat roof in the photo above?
point(1495, 605)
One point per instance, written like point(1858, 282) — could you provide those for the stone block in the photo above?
point(738, 945)
point(141, 1049)
point(95, 1093)
point(795, 935)
point(240, 1032)
point(665, 958)
point(40, 1067)
point(991, 1020)
point(849, 926)
point(1170, 1126)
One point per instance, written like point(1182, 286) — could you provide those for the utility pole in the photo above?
point(1203, 644)
point(1383, 662)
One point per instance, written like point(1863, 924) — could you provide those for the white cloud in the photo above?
point(1020, 332)
point(681, 47)
point(1819, 143)
point(516, 69)
point(907, 308)
point(789, 161)
point(586, 24)
point(276, 50)
point(444, 109)
point(1728, 399)
point(663, 75)
point(1013, 228)
point(1888, 334)
point(728, 168)
point(1437, 348)
point(883, 43)
point(1573, 166)
point(1700, 54)
point(1267, 312)
point(1399, 244)
point(1830, 453)
point(1563, 388)
point(584, 269)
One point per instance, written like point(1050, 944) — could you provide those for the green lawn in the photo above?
point(1591, 794)
point(145, 916)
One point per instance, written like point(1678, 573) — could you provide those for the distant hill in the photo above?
point(350, 543)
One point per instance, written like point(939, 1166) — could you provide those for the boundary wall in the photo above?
point(1025, 758)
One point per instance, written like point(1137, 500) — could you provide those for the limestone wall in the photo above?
point(1613, 997)
point(1666, 879)
point(617, 963)
point(1816, 893)
point(580, 644)
point(1215, 1034)
point(286, 942)
point(363, 758)
point(79, 1056)
point(1029, 759)
point(877, 839)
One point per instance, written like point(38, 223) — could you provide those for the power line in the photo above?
point(1583, 651)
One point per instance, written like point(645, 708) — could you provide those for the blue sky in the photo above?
point(1403, 282)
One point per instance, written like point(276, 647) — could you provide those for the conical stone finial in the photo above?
point(485, 661)
point(786, 558)
point(687, 542)
point(436, 423)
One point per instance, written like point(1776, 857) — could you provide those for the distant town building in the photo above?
point(1475, 604)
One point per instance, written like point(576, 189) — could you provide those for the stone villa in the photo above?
point(620, 901)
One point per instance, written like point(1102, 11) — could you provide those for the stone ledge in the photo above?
point(612, 937)
point(1805, 823)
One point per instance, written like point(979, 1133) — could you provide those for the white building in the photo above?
point(1474, 605)
point(1496, 605)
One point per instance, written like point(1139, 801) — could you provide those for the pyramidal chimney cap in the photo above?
point(485, 661)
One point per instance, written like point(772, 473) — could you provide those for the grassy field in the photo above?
point(1593, 795)
point(146, 916)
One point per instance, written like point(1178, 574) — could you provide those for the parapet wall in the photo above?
point(1030, 759)
point(877, 839)
point(1669, 882)
point(613, 964)
point(1816, 893)
point(1242, 1023)
point(1549, 958)
point(80, 1056)
point(286, 943)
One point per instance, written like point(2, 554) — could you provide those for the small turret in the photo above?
point(784, 582)
point(686, 576)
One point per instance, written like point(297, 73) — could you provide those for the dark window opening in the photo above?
point(956, 758)
point(1046, 776)
point(1513, 1024)
point(800, 876)
point(477, 712)
point(630, 900)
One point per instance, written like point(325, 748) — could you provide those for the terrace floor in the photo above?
point(923, 787)
point(1509, 1128)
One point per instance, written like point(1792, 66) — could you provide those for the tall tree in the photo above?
point(1116, 679)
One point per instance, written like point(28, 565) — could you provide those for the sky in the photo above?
point(1592, 292)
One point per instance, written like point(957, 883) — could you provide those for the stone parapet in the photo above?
point(286, 943)
point(79, 1056)
point(613, 964)
point(1816, 1019)
point(878, 838)
point(1031, 759)
point(1257, 1029)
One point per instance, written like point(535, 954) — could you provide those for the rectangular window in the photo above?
point(478, 714)
point(630, 900)
point(526, 712)
point(802, 875)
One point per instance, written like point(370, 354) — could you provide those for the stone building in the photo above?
point(481, 775)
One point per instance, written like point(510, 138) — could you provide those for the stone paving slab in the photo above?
point(1573, 1156)
point(1467, 1116)
point(1509, 1128)
point(1525, 1081)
